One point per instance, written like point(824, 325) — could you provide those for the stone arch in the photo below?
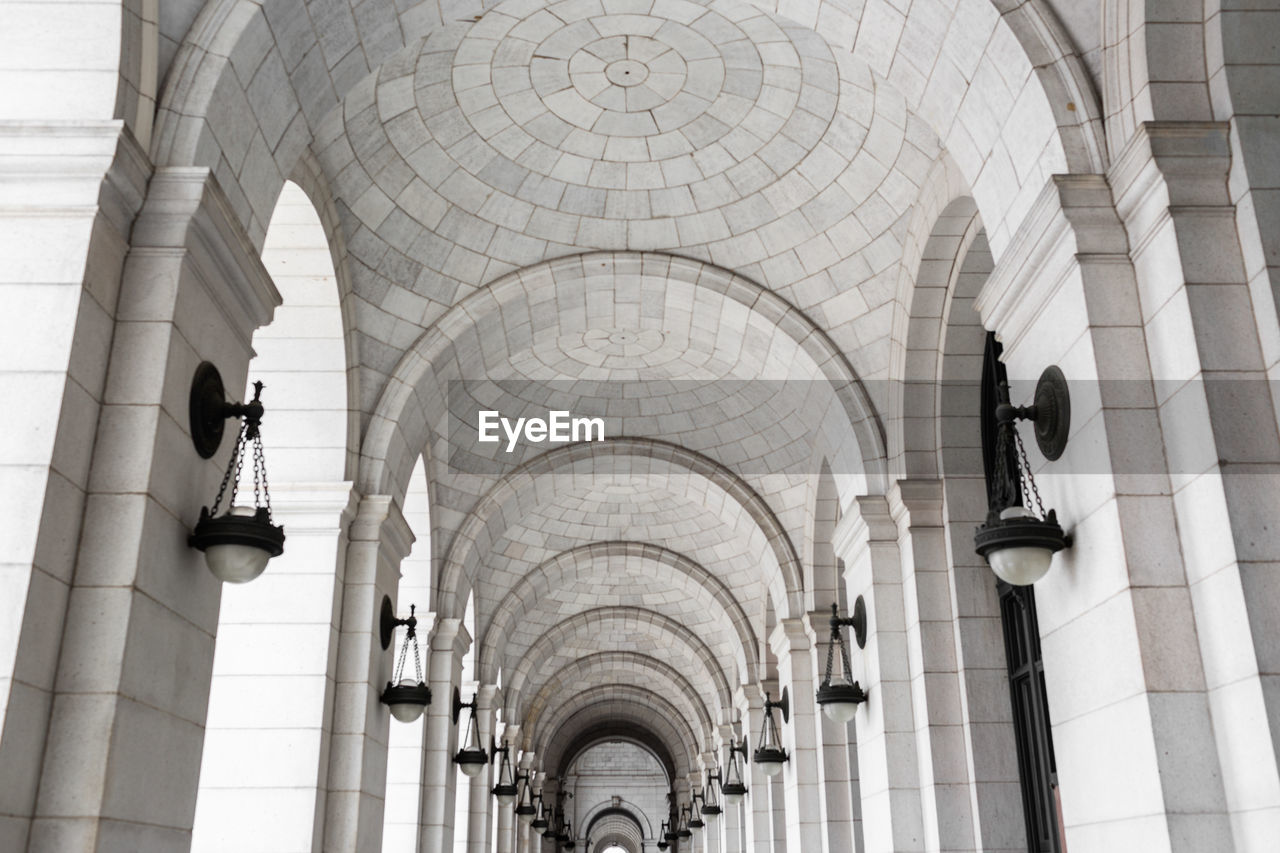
point(614, 821)
point(567, 563)
point(785, 582)
point(401, 422)
point(591, 621)
point(610, 665)
point(640, 737)
point(942, 441)
point(619, 703)
point(941, 264)
point(1154, 67)
point(822, 584)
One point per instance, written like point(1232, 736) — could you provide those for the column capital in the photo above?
point(187, 210)
point(867, 520)
point(450, 635)
point(1187, 161)
point(488, 697)
point(314, 508)
point(790, 636)
point(752, 696)
point(379, 519)
point(1073, 215)
point(918, 501)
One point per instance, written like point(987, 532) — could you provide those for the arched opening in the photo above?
point(271, 691)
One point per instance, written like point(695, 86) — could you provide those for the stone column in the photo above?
point(833, 746)
point(803, 794)
point(71, 193)
point(711, 842)
point(507, 822)
point(520, 829)
point(449, 642)
point(137, 648)
point(480, 800)
point(947, 790)
point(729, 829)
point(1172, 708)
point(380, 539)
point(758, 819)
point(1207, 308)
point(276, 645)
point(888, 768)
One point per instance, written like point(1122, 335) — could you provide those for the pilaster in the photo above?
point(449, 643)
point(866, 538)
point(137, 649)
point(806, 818)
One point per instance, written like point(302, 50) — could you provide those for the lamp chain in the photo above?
point(399, 671)
point(417, 664)
point(831, 648)
point(233, 467)
point(1024, 474)
point(260, 498)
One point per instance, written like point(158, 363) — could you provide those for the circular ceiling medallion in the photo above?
point(696, 103)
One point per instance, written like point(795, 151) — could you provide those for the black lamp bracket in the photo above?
point(783, 704)
point(1051, 411)
point(495, 750)
point(458, 704)
point(388, 623)
point(208, 410)
point(741, 747)
point(858, 621)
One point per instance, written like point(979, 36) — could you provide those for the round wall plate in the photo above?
point(206, 409)
point(1053, 412)
point(386, 621)
point(860, 622)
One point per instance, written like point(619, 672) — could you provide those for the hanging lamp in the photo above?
point(406, 697)
point(770, 754)
point(237, 544)
point(838, 694)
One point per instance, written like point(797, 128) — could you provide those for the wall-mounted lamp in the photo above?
point(839, 694)
point(663, 834)
point(525, 809)
point(695, 821)
point(405, 696)
point(472, 757)
point(770, 754)
point(238, 544)
point(566, 836)
point(539, 821)
point(683, 829)
point(710, 803)
point(1018, 543)
point(734, 787)
point(505, 789)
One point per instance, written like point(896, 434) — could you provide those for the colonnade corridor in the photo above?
point(618, 426)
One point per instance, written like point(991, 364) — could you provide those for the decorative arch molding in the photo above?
point(639, 735)
point(308, 175)
point(785, 582)
point(1131, 96)
point(590, 622)
point(522, 597)
point(945, 258)
point(403, 401)
point(617, 703)
point(628, 812)
point(612, 665)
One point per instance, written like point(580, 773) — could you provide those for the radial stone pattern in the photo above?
point(621, 115)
